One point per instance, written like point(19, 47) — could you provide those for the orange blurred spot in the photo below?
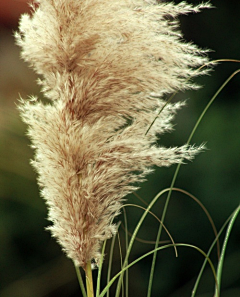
point(10, 11)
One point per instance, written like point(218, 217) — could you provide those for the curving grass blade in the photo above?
point(220, 263)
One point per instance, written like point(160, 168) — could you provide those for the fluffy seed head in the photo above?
point(105, 67)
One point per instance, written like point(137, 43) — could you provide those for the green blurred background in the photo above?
point(32, 264)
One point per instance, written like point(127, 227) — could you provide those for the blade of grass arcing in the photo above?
point(210, 220)
point(206, 212)
point(140, 198)
point(121, 261)
point(101, 264)
point(144, 240)
point(168, 101)
point(208, 254)
point(134, 236)
point(111, 257)
point(214, 62)
point(100, 269)
point(126, 247)
point(178, 168)
point(80, 280)
point(165, 228)
point(220, 263)
point(151, 252)
point(110, 260)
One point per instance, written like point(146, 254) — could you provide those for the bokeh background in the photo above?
point(31, 262)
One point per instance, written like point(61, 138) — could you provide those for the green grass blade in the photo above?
point(191, 136)
point(121, 261)
point(126, 247)
point(220, 263)
point(154, 255)
point(151, 252)
point(100, 269)
point(111, 258)
point(110, 262)
point(150, 282)
point(168, 101)
point(205, 211)
point(210, 103)
point(134, 236)
point(179, 165)
point(80, 280)
point(208, 254)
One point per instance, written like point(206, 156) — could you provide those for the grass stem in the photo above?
point(89, 280)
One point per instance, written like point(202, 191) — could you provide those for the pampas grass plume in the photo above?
point(105, 67)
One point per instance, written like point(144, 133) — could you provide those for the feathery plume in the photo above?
point(100, 64)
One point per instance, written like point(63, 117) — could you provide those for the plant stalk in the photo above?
point(89, 280)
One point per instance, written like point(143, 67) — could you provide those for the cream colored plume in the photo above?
point(100, 63)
